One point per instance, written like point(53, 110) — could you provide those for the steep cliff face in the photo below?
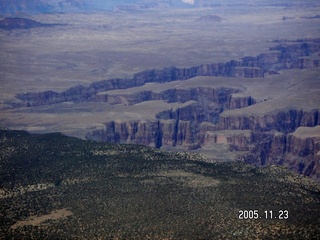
point(288, 137)
point(239, 140)
point(305, 62)
point(303, 149)
point(235, 102)
point(170, 95)
point(299, 151)
point(187, 126)
point(253, 110)
point(286, 120)
point(150, 133)
point(176, 127)
point(284, 56)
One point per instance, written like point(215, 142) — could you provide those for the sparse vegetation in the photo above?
point(113, 191)
point(58, 187)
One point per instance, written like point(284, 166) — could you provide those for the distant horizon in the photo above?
point(16, 7)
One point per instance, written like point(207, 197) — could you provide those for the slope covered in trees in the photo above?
point(53, 186)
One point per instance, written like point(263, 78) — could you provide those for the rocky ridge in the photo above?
point(290, 55)
point(258, 124)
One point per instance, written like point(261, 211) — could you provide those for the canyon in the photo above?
point(180, 117)
point(232, 82)
point(284, 56)
point(224, 106)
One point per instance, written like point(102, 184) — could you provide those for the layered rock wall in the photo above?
point(283, 56)
point(239, 140)
point(297, 152)
point(211, 115)
point(285, 121)
point(150, 133)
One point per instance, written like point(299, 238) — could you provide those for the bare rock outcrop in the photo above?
point(240, 140)
point(177, 127)
point(150, 133)
point(286, 120)
point(235, 102)
point(299, 151)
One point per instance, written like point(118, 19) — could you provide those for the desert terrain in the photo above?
point(174, 78)
point(159, 119)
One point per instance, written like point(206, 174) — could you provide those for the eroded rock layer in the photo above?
point(264, 108)
point(291, 55)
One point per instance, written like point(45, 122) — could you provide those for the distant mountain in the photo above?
point(21, 23)
point(210, 18)
point(41, 6)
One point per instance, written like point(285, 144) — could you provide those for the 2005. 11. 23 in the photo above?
point(267, 214)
